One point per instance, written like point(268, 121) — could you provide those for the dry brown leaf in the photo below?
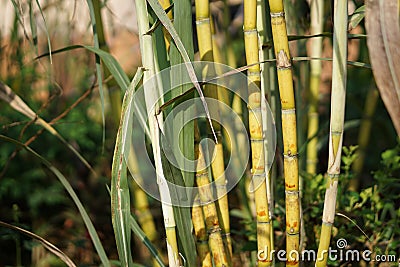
point(383, 30)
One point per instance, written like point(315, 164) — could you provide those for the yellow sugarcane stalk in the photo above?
point(338, 98)
point(143, 213)
point(201, 235)
point(317, 19)
point(204, 36)
point(141, 202)
point(291, 172)
point(209, 209)
point(256, 133)
point(223, 93)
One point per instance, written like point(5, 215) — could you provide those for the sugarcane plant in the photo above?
point(291, 166)
point(338, 100)
point(213, 229)
point(317, 16)
point(256, 133)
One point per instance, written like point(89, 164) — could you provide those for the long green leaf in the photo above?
point(120, 197)
point(183, 133)
point(86, 219)
point(111, 63)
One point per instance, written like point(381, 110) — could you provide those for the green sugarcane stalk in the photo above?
point(114, 92)
point(317, 18)
point(151, 98)
point(338, 100)
point(364, 134)
point(265, 35)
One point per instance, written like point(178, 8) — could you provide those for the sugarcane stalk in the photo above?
point(338, 100)
point(317, 19)
point(233, 145)
point(114, 91)
point(263, 28)
point(141, 202)
point(291, 171)
point(204, 36)
point(209, 208)
point(201, 235)
point(364, 134)
point(256, 133)
point(223, 94)
point(151, 98)
point(144, 215)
